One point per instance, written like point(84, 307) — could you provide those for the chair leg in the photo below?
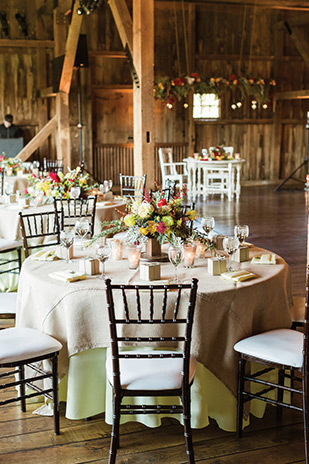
point(22, 390)
point(186, 403)
point(280, 393)
point(19, 258)
point(55, 394)
point(305, 413)
point(115, 430)
point(240, 397)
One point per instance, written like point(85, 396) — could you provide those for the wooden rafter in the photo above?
point(5, 43)
point(123, 22)
point(70, 51)
point(299, 5)
point(300, 20)
point(299, 41)
point(292, 95)
point(38, 139)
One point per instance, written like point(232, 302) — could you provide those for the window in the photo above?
point(206, 106)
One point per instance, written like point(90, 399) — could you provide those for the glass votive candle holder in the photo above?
point(134, 256)
point(117, 248)
point(200, 249)
point(189, 252)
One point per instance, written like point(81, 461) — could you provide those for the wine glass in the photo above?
point(110, 184)
point(82, 228)
point(74, 192)
point(8, 188)
point(102, 252)
point(175, 255)
point(66, 240)
point(208, 223)
point(241, 232)
point(230, 245)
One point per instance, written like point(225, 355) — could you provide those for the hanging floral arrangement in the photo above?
point(170, 90)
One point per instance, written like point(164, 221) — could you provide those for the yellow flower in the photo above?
point(161, 86)
point(192, 214)
point(179, 222)
point(167, 220)
point(143, 230)
point(129, 220)
point(152, 227)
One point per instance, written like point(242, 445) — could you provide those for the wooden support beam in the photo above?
point(107, 54)
point(123, 22)
point(8, 43)
point(190, 124)
point(294, 21)
point(292, 95)
point(47, 92)
point(38, 139)
point(143, 58)
point(299, 41)
point(299, 5)
point(64, 137)
point(70, 50)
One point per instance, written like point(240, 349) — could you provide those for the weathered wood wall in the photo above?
point(221, 39)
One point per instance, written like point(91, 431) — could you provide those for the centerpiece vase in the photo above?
point(153, 248)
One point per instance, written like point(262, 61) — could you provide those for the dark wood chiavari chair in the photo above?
point(154, 373)
point(69, 211)
point(285, 350)
point(1, 181)
point(53, 165)
point(39, 230)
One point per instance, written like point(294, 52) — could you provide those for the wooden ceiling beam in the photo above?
point(295, 5)
point(300, 20)
point(70, 51)
point(6, 43)
point(123, 22)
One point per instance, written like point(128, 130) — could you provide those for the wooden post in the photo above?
point(191, 46)
point(143, 59)
point(64, 138)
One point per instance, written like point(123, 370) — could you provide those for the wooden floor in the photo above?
point(278, 222)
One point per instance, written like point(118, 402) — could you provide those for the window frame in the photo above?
point(205, 118)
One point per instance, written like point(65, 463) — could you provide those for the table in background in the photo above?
point(20, 183)
point(214, 177)
point(226, 312)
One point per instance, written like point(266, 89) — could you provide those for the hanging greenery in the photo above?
point(170, 90)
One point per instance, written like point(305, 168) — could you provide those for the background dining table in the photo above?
point(226, 312)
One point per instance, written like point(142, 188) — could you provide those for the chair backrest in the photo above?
point(39, 230)
point(53, 165)
point(132, 186)
point(169, 184)
point(188, 207)
point(69, 211)
point(138, 313)
point(1, 182)
point(166, 156)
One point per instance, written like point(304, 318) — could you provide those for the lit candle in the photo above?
point(189, 255)
point(9, 171)
point(134, 256)
point(237, 156)
point(117, 248)
point(307, 179)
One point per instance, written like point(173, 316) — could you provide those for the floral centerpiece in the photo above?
point(10, 165)
point(155, 217)
point(219, 154)
point(58, 185)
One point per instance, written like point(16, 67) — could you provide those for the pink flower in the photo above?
point(161, 228)
point(26, 191)
point(54, 177)
point(1, 158)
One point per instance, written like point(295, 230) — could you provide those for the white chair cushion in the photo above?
point(20, 343)
point(8, 302)
point(297, 311)
point(150, 373)
point(7, 245)
point(282, 346)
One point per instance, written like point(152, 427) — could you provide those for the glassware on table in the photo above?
point(82, 227)
point(134, 255)
point(208, 223)
point(74, 192)
point(241, 232)
point(110, 184)
point(67, 240)
point(8, 188)
point(189, 251)
point(102, 252)
point(175, 255)
point(230, 245)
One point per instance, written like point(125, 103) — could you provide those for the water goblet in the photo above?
point(102, 252)
point(74, 192)
point(230, 245)
point(66, 241)
point(208, 223)
point(241, 232)
point(175, 255)
point(8, 188)
point(82, 228)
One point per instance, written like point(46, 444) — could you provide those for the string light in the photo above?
point(233, 106)
point(239, 104)
point(265, 106)
point(169, 106)
point(185, 105)
point(254, 104)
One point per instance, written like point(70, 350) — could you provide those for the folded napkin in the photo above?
point(68, 275)
point(43, 255)
point(264, 259)
point(238, 276)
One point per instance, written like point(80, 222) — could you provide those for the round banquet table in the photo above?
point(226, 312)
point(19, 182)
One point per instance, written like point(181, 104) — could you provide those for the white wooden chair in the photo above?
point(169, 168)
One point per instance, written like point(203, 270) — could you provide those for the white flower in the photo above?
point(145, 210)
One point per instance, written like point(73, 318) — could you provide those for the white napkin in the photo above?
point(43, 255)
point(238, 276)
point(269, 258)
point(68, 275)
